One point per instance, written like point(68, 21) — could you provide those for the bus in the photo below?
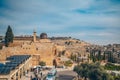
point(52, 74)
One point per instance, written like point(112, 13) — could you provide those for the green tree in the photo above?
point(99, 74)
point(42, 63)
point(110, 66)
point(110, 57)
point(104, 58)
point(68, 63)
point(117, 77)
point(99, 56)
point(93, 57)
point(92, 71)
point(9, 36)
point(73, 57)
point(82, 70)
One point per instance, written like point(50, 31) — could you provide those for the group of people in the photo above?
point(37, 75)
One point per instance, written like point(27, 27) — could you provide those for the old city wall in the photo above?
point(40, 51)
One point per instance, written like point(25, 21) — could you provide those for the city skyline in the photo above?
point(94, 21)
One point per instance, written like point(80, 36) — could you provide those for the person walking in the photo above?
point(31, 77)
point(41, 74)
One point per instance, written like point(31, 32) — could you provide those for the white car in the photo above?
point(50, 77)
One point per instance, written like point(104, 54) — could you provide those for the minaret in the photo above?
point(34, 36)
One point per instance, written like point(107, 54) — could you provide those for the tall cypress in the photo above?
point(9, 36)
point(104, 57)
point(99, 55)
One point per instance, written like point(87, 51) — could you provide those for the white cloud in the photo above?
point(59, 17)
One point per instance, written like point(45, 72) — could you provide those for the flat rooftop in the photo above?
point(12, 63)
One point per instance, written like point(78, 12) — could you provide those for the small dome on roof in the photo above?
point(43, 36)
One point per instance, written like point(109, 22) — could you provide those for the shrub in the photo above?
point(42, 63)
point(68, 63)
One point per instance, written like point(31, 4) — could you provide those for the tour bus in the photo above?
point(52, 74)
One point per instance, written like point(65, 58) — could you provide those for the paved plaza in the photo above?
point(62, 74)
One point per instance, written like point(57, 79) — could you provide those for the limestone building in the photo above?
point(41, 49)
point(15, 67)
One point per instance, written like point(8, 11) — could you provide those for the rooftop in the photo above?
point(14, 61)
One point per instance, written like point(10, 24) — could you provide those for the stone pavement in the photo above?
point(67, 73)
point(32, 75)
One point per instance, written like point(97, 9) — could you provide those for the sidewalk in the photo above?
point(44, 73)
point(31, 74)
point(28, 76)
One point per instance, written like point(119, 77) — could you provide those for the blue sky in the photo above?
point(94, 21)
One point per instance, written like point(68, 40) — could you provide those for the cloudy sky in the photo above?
point(94, 21)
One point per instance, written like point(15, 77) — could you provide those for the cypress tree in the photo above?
point(104, 56)
point(99, 55)
point(9, 36)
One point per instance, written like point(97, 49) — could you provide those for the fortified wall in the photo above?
point(44, 49)
point(40, 50)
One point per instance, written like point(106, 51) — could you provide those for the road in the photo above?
point(62, 74)
point(66, 75)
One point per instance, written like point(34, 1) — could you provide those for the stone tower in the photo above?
point(34, 36)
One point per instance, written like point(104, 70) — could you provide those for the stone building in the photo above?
point(15, 67)
point(43, 49)
point(40, 49)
